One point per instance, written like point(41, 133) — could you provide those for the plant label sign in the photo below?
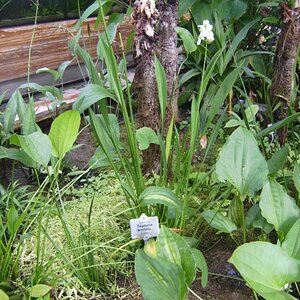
point(144, 227)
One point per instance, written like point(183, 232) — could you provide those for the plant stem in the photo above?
point(255, 295)
point(243, 220)
point(31, 44)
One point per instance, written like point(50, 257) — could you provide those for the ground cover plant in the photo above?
point(231, 163)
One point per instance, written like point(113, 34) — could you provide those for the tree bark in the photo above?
point(283, 66)
point(155, 36)
point(144, 80)
point(168, 54)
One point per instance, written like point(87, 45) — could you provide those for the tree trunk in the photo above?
point(283, 66)
point(168, 54)
point(155, 35)
point(144, 82)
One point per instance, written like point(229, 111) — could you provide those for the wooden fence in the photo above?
point(49, 46)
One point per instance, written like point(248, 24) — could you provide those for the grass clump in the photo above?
point(81, 238)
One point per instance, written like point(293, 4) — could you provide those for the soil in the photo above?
point(224, 282)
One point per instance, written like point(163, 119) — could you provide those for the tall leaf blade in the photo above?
point(161, 80)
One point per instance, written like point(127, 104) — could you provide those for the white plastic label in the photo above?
point(144, 227)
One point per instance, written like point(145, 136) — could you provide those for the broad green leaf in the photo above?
point(26, 113)
point(3, 295)
point(63, 132)
point(18, 155)
point(167, 246)
point(296, 177)
point(90, 95)
point(187, 39)
point(201, 265)
point(39, 290)
point(3, 152)
point(159, 279)
point(159, 195)
point(161, 80)
point(241, 163)
point(218, 221)
point(146, 136)
point(278, 207)
point(172, 247)
point(150, 248)
point(277, 161)
point(291, 242)
point(266, 268)
point(38, 146)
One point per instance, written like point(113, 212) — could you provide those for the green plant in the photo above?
point(273, 267)
point(168, 265)
point(175, 152)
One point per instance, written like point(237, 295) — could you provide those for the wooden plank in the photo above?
point(50, 45)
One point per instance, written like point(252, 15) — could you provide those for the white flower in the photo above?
point(206, 33)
